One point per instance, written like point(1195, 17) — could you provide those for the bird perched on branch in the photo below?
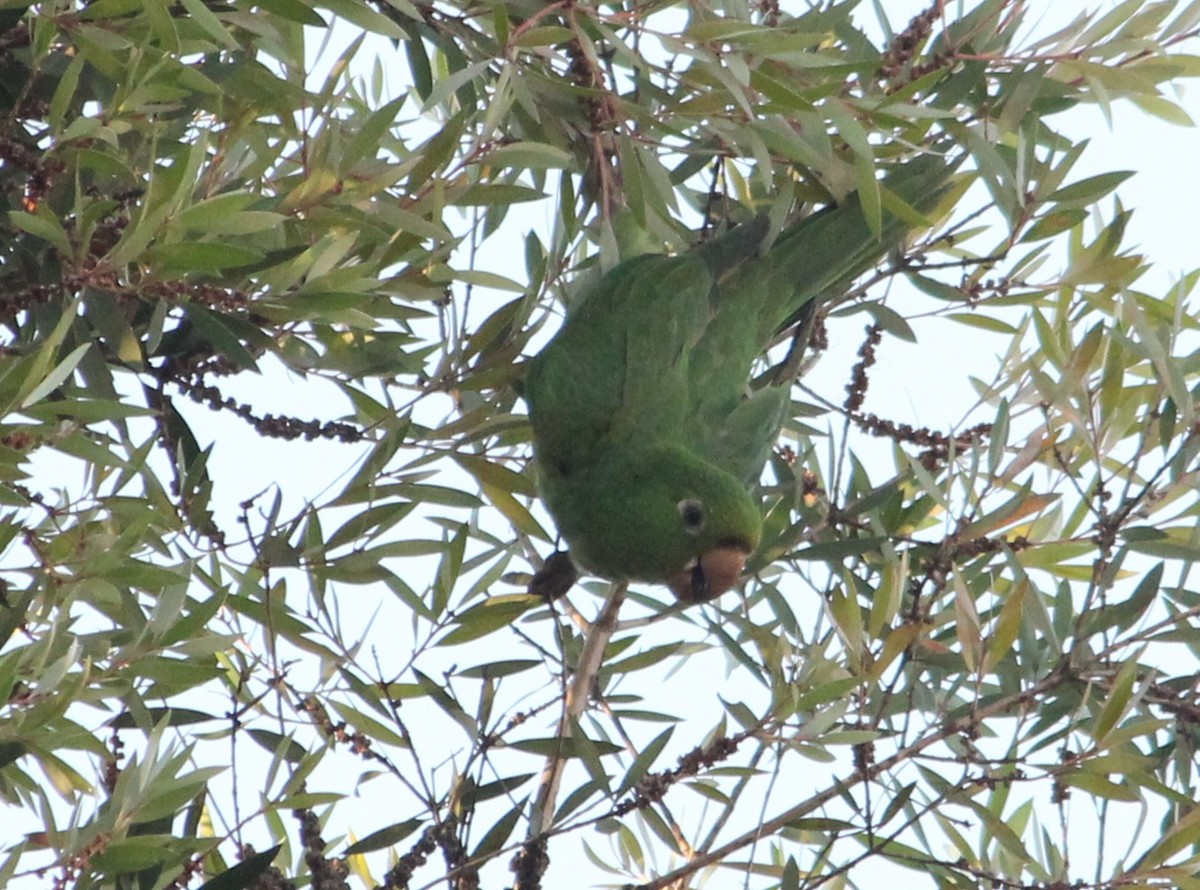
point(649, 435)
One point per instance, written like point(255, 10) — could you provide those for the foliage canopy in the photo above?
point(983, 636)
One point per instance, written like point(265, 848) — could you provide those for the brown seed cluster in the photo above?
point(443, 835)
point(905, 46)
point(529, 864)
point(654, 786)
point(856, 389)
point(41, 173)
point(326, 873)
point(769, 9)
point(12, 303)
point(270, 425)
point(937, 445)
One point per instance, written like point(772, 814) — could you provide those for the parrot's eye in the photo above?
point(691, 512)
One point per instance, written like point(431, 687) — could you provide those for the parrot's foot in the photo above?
point(556, 576)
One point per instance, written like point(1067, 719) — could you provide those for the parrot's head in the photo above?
point(661, 513)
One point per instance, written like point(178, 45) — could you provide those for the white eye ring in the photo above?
point(691, 511)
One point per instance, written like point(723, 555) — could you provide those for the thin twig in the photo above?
point(574, 703)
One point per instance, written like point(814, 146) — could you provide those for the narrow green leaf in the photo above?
point(1016, 508)
point(1054, 223)
point(1088, 191)
point(1118, 700)
point(44, 226)
point(245, 874)
point(966, 623)
point(570, 747)
point(645, 759)
point(498, 834)
point(418, 65)
point(547, 35)
point(56, 377)
point(492, 614)
point(186, 257)
point(498, 194)
point(998, 438)
point(383, 838)
point(1185, 832)
point(447, 703)
point(529, 155)
point(1006, 628)
point(203, 16)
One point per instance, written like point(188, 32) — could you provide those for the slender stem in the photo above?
point(574, 703)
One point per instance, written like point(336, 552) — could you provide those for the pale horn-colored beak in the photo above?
point(711, 575)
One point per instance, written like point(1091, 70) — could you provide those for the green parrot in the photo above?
point(648, 436)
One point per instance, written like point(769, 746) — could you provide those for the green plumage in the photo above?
point(641, 403)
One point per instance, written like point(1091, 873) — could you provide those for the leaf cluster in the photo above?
point(345, 671)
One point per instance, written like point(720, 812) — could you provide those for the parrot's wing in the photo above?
point(673, 310)
point(575, 385)
point(617, 369)
point(742, 442)
point(819, 256)
point(816, 258)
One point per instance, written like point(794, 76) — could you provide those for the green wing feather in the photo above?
point(813, 260)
